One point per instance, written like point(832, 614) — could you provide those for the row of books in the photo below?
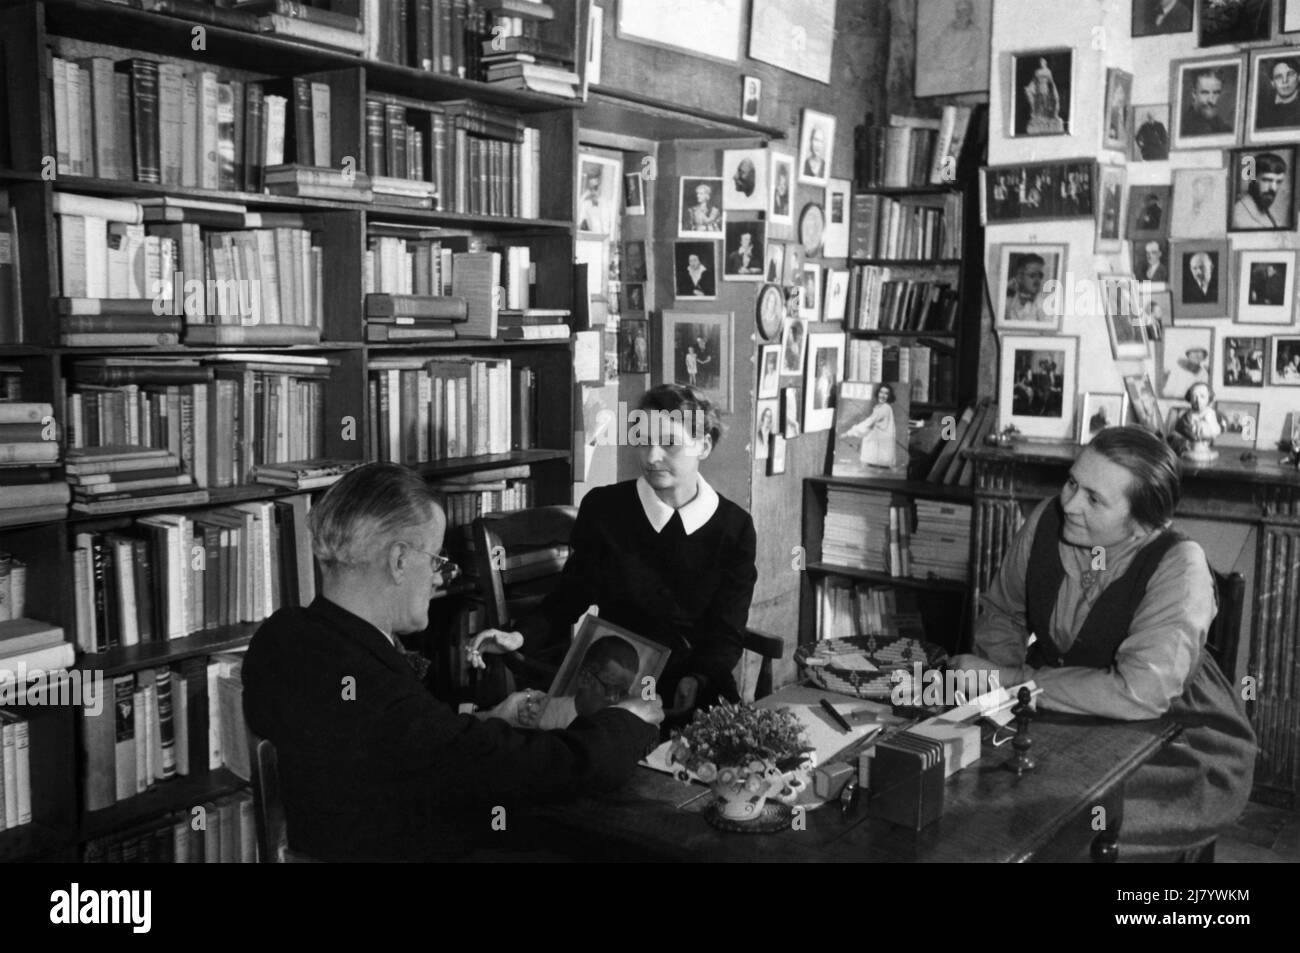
point(11, 325)
point(911, 151)
point(930, 370)
point(878, 532)
point(845, 608)
point(951, 466)
point(923, 226)
point(121, 479)
point(465, 498)
point(15, 770)
point(404, 261)
point(13, 588)
point(227, 835)
point(888, 299)
point(855, 530)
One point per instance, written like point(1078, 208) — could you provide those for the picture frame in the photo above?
point(837, 295)
point(1202, 279)
point(743, 250)
point(711, 30)
point(1242, 424)
point(633, 193)
point(1288, 18)
point(812, 228)
point(1042, 87)
point(1149, 132)
point(651, 656)
point(633, 293)
point(1274, 96)
point(1099, 411)
point(1266, 286)
point(1220, 22)
point(1200, 203)
point(1065, 189)
point(594, 253)
point(816, 147)
point(780, 203)
point(1128, 341)
point(634, 260)
point(1115, 110)
point(952, 47)
point(1157, 312)
point(810, 288)
point(1150, 18)
point(699, 210)
point(794, 343)
point(835, 237)
point(695, 280)
point(769, 371)
point(1150, 260)
point(1284, 360)
point(1186, 358)
point(774, 267)
point(824, 369)
point(766, 426)
point(597, 193)
point(776, 456)
point(1142, 403)
point(634, 346)
point(744, 178)
point(794, 259)
point(1244, 361)
point(770, 311)
point(1262, 189)
point(1023, 298)
point(871, 429)
point(790, 412)
point(1110, 216)
point(1038, 384)
point(695, 349)
point(751, 98)
point(1149, 211)
point(799, 38)
point(1207, 97)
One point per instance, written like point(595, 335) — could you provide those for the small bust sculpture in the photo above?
point(1198, 425)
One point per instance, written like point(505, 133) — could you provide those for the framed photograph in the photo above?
point(837, 295)
point(1042, 83)
point(1274, 96)
point(816, 146)
point(1128, 340)
point(774, 269)
point(1110, 180)
point(795, 37)
point(825, 370)
point(1234, 21)
point(767, 422)
point(1038, 384)
point(776, 457)
point(1160, 17)
point(1149, 138)
point(1202, 281)
point(1244, 363)
point(1115, 115)
point(744, 176)
point(744, 251)
point(1023, 302)
point(1151, 260)
point(1185, 360)
point(871, 429)
point(769, 371)
point(700, 206)
point(1284, 363)
point(712, 30)
point(1099, 412)
point(695, 270)
point(780, 205)
point(633, 297)
point(1142, 403)
point(1148, 212)
point(1200, 203)
point(1266, 286)
point(633, 193)
point(812, 228)
point(604, 656)
point(595, 47)
point(1208, 96)
point(599, 178)
point(634, 268)
point(1157, 309)
point(1241, 424)
point(695, 349)
point(952, 47)
point(1263, 189)
point(594, 253)
point(1039, 190)
point(634, 346)
point(810, 302)
point(771, 309)
point(793, 265)
point(790, 412)
point(835, 239)
point(1288, 19)
point(794, 340)
point(751, 98)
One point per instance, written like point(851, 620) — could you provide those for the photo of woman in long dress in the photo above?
point(871, 429)
point(876, 431)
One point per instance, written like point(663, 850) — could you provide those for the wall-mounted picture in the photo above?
point(1185, 360)
point(1099, 412)
point(1148, 212)
point(599, 180)
point(835, 239)
point(810, 288)
point(776, 457)
point(952, 46)
point(1202, 282)
point(1039, 190)
point(701, 207)
point(1157, 312)
point(634, 346)
point(1274, 96)
point(780, 207)
point(1115, 114)
point(795, 37)
point(769, 371)
point(744, 177)
point(695, 349)
point(744, 251)
point(605, 661)
point(790, 412)
point(770, 309)
point(1288, 20)
point(1021, 303)
point(712, 29)
point(824, 371)
point(1042, 84)
point(1142, 404)
point(1263, 189)
point(1244, 363)
point(1241, 424)
point(695, 270)
point(871, 430)
point(1160, 17)
point(1234, 21)
point(633, 193)
point(1149, 133)
point(837, 295)
point(634, 268)
point(1208, 98)
point(751, 98)
point(633, 297)
point(816, 146)
point(774, 270)
point(1284, 364)
point(794, 339)
point(793, 265)
point(1110, 218)
point(1200, 203)
point(1266, 286)
point(1151, 260)
point(1037, 385)
point(1128, 341)
point(766, 426)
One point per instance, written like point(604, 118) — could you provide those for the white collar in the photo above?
point(694, 514)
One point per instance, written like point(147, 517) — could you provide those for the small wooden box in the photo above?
point(907, 776)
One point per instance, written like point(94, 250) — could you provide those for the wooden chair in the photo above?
point(268, 809)
point(769, 648)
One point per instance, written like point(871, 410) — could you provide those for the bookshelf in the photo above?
point(342, 227)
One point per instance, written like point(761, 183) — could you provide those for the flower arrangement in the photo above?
point(733, 737)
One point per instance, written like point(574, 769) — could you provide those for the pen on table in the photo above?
point(839, 719)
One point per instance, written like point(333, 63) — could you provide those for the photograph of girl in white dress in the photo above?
point(871, 429)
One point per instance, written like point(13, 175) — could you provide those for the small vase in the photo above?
point(743, 791)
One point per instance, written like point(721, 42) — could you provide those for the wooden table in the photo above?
point(989, 814)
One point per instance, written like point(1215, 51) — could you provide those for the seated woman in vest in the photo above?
point(1119, 605)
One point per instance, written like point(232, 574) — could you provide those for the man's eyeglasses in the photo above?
point(441, 565)
point(613, 691)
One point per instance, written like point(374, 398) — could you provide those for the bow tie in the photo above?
point(419, 664)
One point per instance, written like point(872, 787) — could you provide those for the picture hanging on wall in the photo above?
point(634, 346)
point(837, 295)
point(751, 98)
point(810, 304)
point(1244, 363)
point(1157, 312)
point(706, 29)
point(824, 371)
point(774, 270)
point(769, 371)
point(835, 238)
point(1284, 365)
point(871, 431)
point(1202, 279)
point(1151, 260)
point(1021, 303)
point(599, 180)
point(816, 147)
point(794, 338)
point(633, 193)
point(1150, 133)
point(1142, 403)
point(1038, 384)
point(1099, 412)
point(798, 37)
point(1039, 190)
point(1200, 203)
point(1119, 93)
point(634, 267)
point(700, 207)
point(1148, 212)
point(1241, 419)
point(744, 180)
point(1042, 84)
point(780, 205)
point(776, 456)
point(952, 47)
point(695, 349)
point(1289, 17)
point(1185, 359)
point(1263, 181)
point(1208, 95)
point(1128, 342)
point(766, 424)
point(1234, 21)
point(790, 411)
point(1266, 286)
point(744, 251)
point(1110, 217)
point(1274, 96)
point(695, 270)
point(1161, 17)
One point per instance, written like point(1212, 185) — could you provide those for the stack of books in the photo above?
point(303, 474)
point(31, 645)
point(405, 260)
point(531, 324)
point(29, 446)
point(941, 540)
point(856, 530)
point(408, 317)
point(307, 22)
point(952, 466)
point(318, 182)
point(120, 479)
point(518, 57)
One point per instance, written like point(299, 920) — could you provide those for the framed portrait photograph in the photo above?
point(599, 180)
point(835, 237)
point(1150, 260)
point(767, 423)
point(1284, 360)
point(824, 371)
point(1038, 384)
point(700, 207)
point(695, 349)
point(1157, 312)
point(1288, 18)
point(780, 203)
point(633, 193)
point(1185, 360)
point(952, 46)
point(837, 295)
point(1240, 424)
point(1274, 96)
point(769, 371)
point(810, 289)
point(1042, 85)
point(1023, 303)
point(695, 270)
point(776, 456)
point(1263, 189)
point(1128, 340)
point(1266, 286)
point(1161, 17)
point(1115, 114)
point(1233, 21)
point(770, 310)
point(1099, 412)
point(794, 259)
point(634, 267)
point(1110, 215)
point(871, 429)
point(1208, 96)
point(604, 659)
point(1143, 407)
point(816, 146)
point(1244, 361)
point(744, 177)
point(1149, 133)
point(1039, 190)
point(751, 98)
point(633, 298)
point(774, 267)
point(743, 247)
point(634, 346)
point(795, 37)
point(1148, 212)
point(790, 412)
point(711, 30)
point(1200, 203)
point(1202, 279)
point(794, 340)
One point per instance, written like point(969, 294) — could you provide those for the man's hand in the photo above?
point(651, 712)
point(492, 642)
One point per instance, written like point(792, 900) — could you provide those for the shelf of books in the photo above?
point(236, 262)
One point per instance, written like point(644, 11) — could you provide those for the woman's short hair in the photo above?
point(367, 510)
point(698, 415)
point(888, 387)
point(1156, 486)
point(1208, 389)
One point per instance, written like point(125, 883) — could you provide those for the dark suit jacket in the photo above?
point(1177, 20)
point(392, 773)
point(1192, 291)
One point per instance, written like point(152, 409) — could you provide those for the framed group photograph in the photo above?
point(1201, 279)
point(1263, 189)
point(1037, 385)
point(1185, 360)
point(700, 207)
point(825, 370)
point(634, 346)
point(816, 146)
point(952, 47)
point(1161, 17)
point(599, 180)
point(1039, 190)
point(1099, 412)
point(1244, 363)
point(695, 349)
point(1128, 340)
point(1234, 21)
point(1274, 96)
point(871, 429)
point(1200, 203)
point(780, 203)
point(1149, 133)
point(743, 249)
point(1208, 96)
point(1266, 292)
point(1021, 303)
point(695, 270)
point(602, 656)
point(744, 177)
point(751, 98)
point(1284, 365)
point(1148, 212)
point(835, 237)
point(1115, 113)
point(1042, 85)
point(1110, 179)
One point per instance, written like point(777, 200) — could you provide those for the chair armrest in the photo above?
point(767, 646)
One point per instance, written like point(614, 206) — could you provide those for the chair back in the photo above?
point(268, 809)
point(516, 557)
point(769, 648)
point(1225, 631)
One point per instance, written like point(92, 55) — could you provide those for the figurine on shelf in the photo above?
point(1198, 425)
point(1005, 437)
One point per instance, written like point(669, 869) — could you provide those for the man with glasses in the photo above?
point(373, 766)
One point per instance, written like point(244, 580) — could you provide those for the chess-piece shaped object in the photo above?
point(1021, 761)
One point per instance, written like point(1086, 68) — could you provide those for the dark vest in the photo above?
point(1108, 622)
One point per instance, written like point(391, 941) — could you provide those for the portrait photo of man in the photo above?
point(1208, 93)
point(744, 245)
point(1159, 17)
point(1234, 21)
point(1200, 278)
point(1263, 192)
point(1149, 259)
point(1268, 283)
point(1148, 208)
point(1151, 133)
point(744, 180)
point(1024, 270)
